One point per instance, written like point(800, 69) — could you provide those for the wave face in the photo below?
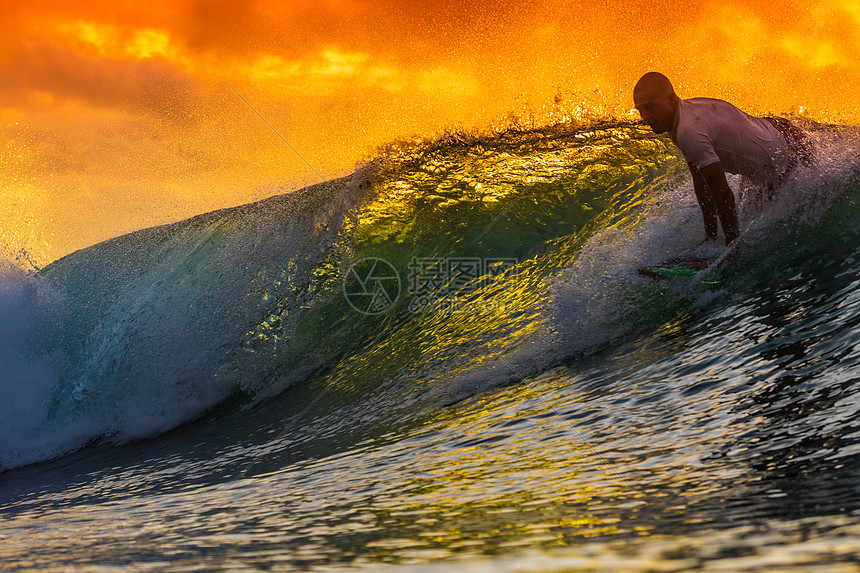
point(436, 271)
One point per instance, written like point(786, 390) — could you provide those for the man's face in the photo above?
point(657, 109)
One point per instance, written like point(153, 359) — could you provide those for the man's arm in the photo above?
point(706, 204)
point(716, 200)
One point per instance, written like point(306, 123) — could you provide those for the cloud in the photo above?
point(155, 57)
point(41, 72)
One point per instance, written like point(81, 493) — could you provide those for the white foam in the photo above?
point(807, 193)
point(591, 300)
point(27, 377)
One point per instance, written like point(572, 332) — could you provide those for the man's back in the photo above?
point(708, 130)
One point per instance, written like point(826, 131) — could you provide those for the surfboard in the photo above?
point(678, 267)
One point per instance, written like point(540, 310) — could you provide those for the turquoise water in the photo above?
point(447, 361)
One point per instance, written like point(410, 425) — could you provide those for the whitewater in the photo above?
point(447, 361)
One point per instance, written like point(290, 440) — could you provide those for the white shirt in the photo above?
point(709, 130)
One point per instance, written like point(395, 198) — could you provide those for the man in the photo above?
point(715, 137)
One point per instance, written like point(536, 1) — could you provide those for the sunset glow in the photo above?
point(117, 115)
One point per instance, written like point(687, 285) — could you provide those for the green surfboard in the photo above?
point(679, 267)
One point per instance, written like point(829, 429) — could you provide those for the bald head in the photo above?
point(653, 82)
point(656, 101)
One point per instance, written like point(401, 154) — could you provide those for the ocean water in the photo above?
point(448, 362)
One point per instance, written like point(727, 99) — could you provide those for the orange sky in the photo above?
point(116, 115)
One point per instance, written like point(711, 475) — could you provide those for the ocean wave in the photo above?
point(511, 252)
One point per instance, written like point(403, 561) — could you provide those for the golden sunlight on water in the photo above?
point(115, 118)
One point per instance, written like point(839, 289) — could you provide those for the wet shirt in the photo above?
point(709, 130)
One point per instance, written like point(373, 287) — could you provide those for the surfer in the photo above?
point(715, 137)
